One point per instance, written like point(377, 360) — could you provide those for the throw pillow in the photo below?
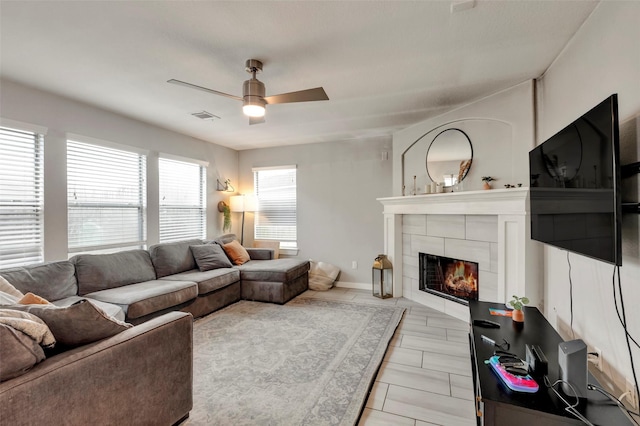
point(33, 299)
point(236, 252)
point(210, 256)
point(7, 287)
point(78, 324)
point(9, 295)
point(19, 353)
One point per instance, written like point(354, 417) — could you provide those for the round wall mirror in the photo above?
point(449, 157)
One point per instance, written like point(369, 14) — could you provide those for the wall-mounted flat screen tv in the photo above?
point(574, 184)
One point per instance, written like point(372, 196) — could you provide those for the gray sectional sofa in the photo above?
point(142, 375)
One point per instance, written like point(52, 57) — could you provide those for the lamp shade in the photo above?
point(250, 203)
point(243, 203)
point(236, 203)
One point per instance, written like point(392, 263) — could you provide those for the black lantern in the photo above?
point(382, 277)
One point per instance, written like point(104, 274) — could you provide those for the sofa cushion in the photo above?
point(261, 253)
point(7, 288)
point(226, 238)
point(110, 309)
point(53, 281)
point(138, 300)
point(19, 353)
point(81, 323)
point(210, 256)
point(173, 258)
point(237, 254)
point(98, 272)
point(28, 324)
point(276, 270)
point(9, 295)
point(208, 281)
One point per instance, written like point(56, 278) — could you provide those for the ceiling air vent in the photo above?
point(204, 115)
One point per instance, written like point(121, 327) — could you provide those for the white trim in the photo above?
point(358, 286)
point(259, 169)
point(107, 144)
point(494, 201)
point(19, 125)
point(183, 159)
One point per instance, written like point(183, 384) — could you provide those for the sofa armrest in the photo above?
point(260, 253)
point(140, 376)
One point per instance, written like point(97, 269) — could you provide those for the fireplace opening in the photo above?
point(453, 279)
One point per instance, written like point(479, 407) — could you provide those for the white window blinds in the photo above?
point(182, 200)
point(106, 198)
point(276, 192)
point(21, 197)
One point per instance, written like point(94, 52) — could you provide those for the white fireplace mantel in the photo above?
point(519, 258)
point(495, 201)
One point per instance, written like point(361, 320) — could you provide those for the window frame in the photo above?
point(202, 207)
point(30, 202)
point(141, 198)
point(287, 246)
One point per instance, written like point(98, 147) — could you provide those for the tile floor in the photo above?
point(425, 378)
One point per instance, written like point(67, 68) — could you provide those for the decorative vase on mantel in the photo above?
point(487, 182)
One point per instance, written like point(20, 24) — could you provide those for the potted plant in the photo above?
point(226, 211)
point(517, 303)
point(487, 181)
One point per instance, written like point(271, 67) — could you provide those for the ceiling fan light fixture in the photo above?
point(253, 102)
point(253, 97)
point(253, 108)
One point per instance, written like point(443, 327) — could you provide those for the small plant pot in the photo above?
point(517, 315)
point(486, 185)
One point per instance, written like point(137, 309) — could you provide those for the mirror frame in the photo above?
point(426, 160)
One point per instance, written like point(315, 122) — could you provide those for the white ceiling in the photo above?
point(384, 64)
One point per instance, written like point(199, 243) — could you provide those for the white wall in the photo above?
point(339, 219)
point(62, 116)
point(603, 58)
point(501, 130)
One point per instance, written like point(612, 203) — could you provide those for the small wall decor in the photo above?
point(226, 186)
point(450, 154)
point(226, 211)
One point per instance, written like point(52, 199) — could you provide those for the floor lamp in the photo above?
point(241, 204)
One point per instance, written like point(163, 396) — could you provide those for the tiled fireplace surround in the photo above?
point(488, 227)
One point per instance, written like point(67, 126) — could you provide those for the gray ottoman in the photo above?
point(275, 281)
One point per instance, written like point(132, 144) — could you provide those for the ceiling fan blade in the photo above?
point(316, 94)
point(204, 89)
point(256, 120)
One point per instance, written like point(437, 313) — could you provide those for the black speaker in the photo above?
point(572, 359)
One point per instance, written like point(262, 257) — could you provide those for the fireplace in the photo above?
point(453, 279)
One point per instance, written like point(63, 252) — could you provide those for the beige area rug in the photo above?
point(309, 362)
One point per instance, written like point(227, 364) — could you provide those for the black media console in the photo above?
point(497, 405)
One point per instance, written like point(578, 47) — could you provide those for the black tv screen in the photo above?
point(574, 186)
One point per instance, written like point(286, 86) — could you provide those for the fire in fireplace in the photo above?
point(452, 279)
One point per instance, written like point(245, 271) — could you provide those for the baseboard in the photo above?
point(359, 286)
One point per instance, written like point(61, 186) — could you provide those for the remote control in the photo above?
point(485, 323)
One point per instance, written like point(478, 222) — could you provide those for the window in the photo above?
point(21, 197)
point(275, 189)
point(182, 200)
point(106, 198)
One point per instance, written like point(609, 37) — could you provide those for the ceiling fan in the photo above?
point(253, 94)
